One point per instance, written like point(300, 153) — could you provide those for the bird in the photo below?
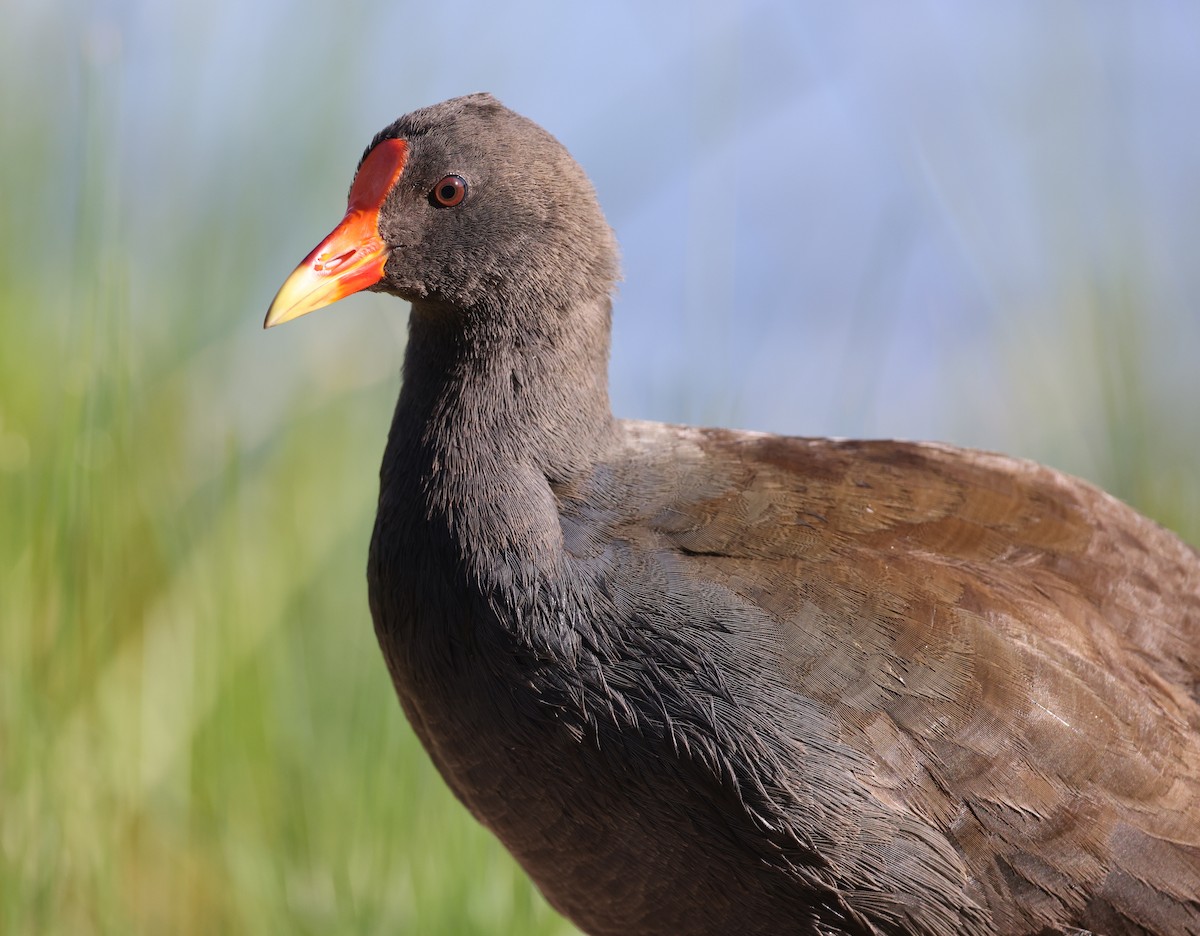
point(710, 681)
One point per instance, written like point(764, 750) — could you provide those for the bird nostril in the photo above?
point(329, 265)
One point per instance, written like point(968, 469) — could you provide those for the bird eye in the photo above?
point(450, 191)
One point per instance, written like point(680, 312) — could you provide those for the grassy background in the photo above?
point(197, 733)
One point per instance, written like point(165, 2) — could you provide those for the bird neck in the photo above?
point(529, 387)
point(495, 407)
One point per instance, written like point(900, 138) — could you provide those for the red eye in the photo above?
point(450, 191)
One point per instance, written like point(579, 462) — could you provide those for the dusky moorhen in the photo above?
point(701, 681)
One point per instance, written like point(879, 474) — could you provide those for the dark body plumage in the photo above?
point(709, 682)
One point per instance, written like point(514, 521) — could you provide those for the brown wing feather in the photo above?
point(1016, 653)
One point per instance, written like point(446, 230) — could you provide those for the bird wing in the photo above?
point(992, 650)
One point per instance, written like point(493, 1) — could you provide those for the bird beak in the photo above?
point(353, 256)
point(350, 259)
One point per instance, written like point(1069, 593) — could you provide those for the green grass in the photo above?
point(197, 731)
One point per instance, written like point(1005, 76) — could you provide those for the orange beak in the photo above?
point(353, 256)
